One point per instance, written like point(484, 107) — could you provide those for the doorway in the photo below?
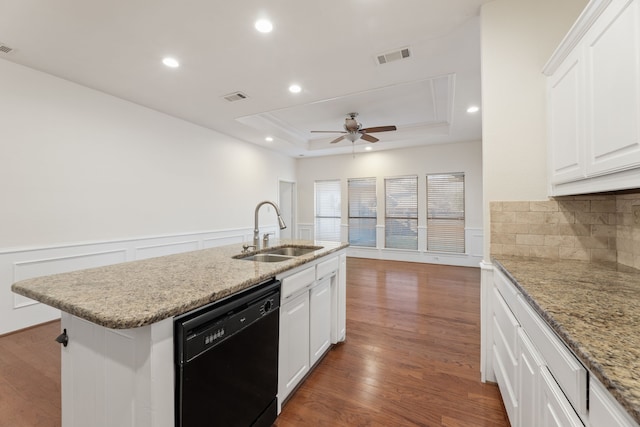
point(287, 203)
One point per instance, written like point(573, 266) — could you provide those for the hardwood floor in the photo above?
point(30, 377)
point(412, 354)
point(412, 358)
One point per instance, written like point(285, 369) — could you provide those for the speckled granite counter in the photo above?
point(139, 293)
point(595, 309)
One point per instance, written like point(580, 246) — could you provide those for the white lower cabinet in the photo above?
point(541, 381)
point(319, 319)
point(532, 396)
point(529, 365)
point(555, 409)
point(293, 359)
point(604, 410)
point(312, 317)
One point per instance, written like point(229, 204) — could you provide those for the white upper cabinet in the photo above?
point(594, 101)
point(566, 152)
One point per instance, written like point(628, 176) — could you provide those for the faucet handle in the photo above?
point(265, 237)
point(245, 248)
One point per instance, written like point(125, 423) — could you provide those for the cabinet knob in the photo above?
point(63, 338)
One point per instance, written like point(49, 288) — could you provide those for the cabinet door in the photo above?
point(320, 319)
point(556, 411)
point(566, 135)
point(529, 363)
point(342, 299)
point(613, 70)
point(293, 360)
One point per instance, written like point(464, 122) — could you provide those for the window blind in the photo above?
point(401, 212)
point(327, 220)
point(362, 212)
point(445, 212)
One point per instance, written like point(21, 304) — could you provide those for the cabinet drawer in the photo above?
point(327, 267)
point(508, 361)
point(564, 366)
point(506, 387)
point(556, 410)
point(506, 288)
point(298, 281)
point(604, 410)
point(506, 321)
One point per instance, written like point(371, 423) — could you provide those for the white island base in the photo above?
point(117, 377)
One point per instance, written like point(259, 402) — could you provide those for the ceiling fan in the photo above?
point(354, 131)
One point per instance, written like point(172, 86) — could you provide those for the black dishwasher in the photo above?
point(227, 360)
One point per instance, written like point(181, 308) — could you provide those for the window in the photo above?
point(401, 212)
point(328, 210)
point(445, 212)
point(362, 212)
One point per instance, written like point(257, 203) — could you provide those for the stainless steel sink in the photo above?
point(266, 258)
point(292, 251)
point(279, 254)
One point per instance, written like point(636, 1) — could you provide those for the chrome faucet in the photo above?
point(256, 230)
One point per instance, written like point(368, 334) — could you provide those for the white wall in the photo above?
point(461, 157)
point(78, 165)
point(89, 179)
point(517, 39)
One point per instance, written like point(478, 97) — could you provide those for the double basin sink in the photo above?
point(279, 254)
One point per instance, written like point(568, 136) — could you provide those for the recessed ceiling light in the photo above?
point(295, 88)
point(263, 25)
point(171, 62)
point(269, 139)
point(368, 148)
point(473, 109)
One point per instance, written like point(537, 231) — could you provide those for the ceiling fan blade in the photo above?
point(338, 139)
point(369, 138)
point(380, 129)
point(327, 131)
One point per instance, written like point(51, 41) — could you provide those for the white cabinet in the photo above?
point(293, 359)
point(524, 350)
point(319, 319)
point(594, 101)
point(604, 410)
point(541, 381)
point(529, 365)
point(505, 328)
point(117, 377)
point(566, 147)
point(612, 62)
point(556, 411)
point(312, 317)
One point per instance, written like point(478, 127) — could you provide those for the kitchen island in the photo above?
point(118, 367)
point(593, 308)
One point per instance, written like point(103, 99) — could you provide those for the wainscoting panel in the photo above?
point(18, 312)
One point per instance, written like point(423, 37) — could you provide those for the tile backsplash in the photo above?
point(588, 227)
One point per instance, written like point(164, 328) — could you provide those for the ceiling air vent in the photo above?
point(235, 96)
point(395, 55)
point(4, 48)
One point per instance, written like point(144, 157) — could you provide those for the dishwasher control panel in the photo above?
point(204, 328)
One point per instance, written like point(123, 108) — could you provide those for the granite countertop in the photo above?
point(139, 293)
point(595, 309)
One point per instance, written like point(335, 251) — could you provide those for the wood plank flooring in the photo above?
point(412, 358)
point(412, 354)
point(30, 377)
